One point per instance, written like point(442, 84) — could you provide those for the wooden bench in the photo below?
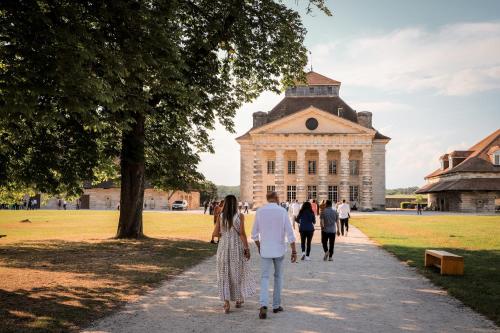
point(448, 263)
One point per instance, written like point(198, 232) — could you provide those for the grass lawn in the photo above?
point(59, 270)
point(476, 238)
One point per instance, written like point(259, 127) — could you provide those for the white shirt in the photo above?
point(246, 204)
point(295, 208)
point(344, 211)
point(273, 229)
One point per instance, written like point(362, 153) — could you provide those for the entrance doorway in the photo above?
point(85, 201)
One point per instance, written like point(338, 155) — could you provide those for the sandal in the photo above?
point(227, 307)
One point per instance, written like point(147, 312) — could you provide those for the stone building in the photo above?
point(312, 145)
point(106, 196)
point(468, 180)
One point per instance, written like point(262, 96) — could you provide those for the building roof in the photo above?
point(316, 79)
point(473, 184)
point(476, 158)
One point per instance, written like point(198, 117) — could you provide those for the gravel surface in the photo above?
point(364, 289)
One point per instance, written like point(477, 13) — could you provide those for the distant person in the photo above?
point(234, 280)
point(344, 215)
point(34, 204)
point(217, 211)
point(205, 206)
point(295, 208)
point(240, 206)
point(306, 220)
point(271, 231)
point(419, 209)
point(65, 204)
point(59, 204)
point(329, 221)
point(314, 207)
point(211, 207)
point(245, 205)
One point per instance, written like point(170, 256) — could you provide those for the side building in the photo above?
point(468, 180)
point(312, 145)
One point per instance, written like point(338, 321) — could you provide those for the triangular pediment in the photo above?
point(327, 124)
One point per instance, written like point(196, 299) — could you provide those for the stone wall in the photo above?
point(467, 202)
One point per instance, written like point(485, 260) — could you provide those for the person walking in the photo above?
point(344, 214)
point(218, 206)
point(307, 220)
point(246, 207)
point(234, 279)
point(329, 220)
point(271, 230)
point(295, 208)
point(205, 206)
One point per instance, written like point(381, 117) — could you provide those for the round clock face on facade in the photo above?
point(312, 124)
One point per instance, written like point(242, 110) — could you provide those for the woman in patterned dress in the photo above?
point(234, 279)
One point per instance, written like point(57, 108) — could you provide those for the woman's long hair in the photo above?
point(229, 211)
point(306, 207)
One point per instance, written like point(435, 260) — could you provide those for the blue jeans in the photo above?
point(265, 264)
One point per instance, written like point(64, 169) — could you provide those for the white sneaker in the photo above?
point(307, 258)
point(303, 256)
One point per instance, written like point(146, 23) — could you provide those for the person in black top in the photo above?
point(306, 220)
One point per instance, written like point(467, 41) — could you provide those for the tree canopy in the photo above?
point(85, 85)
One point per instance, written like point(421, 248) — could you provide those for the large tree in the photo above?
point(84, 84)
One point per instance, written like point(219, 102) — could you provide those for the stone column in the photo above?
point(366, 180)
point(344, 175)
point(246, 173)
point(322, 174)
point(279, 174)
point(258, 186)
point(300, 171)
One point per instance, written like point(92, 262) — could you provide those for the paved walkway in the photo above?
point(363, 290)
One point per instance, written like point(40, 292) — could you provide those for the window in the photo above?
point(354, 167)
point(333, 193)
point(311, 192)
point(291, 167)
point(270, 167)
point(311, 90)
point(496, 158)
point(294, 90)
point(311, 167)
point(330, 90)
point(291, 193)
point(271, 188)
point(353, 193)
point(332, 167)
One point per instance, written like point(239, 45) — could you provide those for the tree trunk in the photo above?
point(132, 181)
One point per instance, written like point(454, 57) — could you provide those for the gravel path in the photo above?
point(364, 290)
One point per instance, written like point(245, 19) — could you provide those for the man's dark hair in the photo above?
point(328, 203)
point(343, 200)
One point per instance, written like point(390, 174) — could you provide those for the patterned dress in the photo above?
point(234, 279)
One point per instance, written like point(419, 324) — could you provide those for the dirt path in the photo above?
point(363, 290)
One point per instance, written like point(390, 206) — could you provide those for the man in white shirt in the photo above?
point(271, 231)
point(344, 214)
point(295, 211)
point(246, 207)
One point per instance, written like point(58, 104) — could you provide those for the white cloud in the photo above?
point(458, 59)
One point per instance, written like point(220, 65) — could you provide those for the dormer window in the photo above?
point(496, 158)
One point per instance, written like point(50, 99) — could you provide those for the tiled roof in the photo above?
point(316, 79)
point(473, 184)
point(477, 159)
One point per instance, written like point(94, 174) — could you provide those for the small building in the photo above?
point(468, 180)
point(106, 196)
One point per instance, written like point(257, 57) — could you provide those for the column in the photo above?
point(246, 173)
point(258, 186)
point(322, 174)
point(279, 174)
point(366, 180)
point(300, 170)
point(344, 175)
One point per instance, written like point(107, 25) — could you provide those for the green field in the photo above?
point(476, 238)
point(60, 270)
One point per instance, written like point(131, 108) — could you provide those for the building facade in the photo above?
point(312, 145)
point(468, 180)
point(106, 196)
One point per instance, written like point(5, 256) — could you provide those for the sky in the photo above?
point(429, 71)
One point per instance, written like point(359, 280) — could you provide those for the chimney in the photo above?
point(259, 118)
point(365, 118)
point(445, 162)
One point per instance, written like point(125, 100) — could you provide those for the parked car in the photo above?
point(180, 205)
